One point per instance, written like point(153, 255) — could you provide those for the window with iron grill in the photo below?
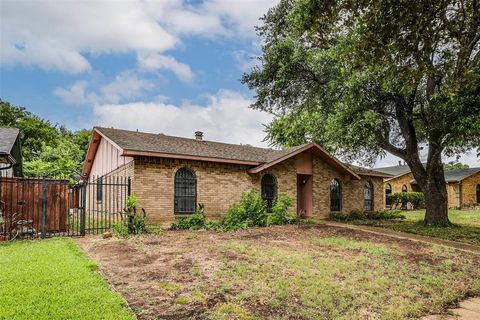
point(368, 196)
point(388, 191)
point(335, 195)
point(478, 193)
point(185, 191)
point(269, 190)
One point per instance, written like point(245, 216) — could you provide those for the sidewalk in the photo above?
point(467, 310)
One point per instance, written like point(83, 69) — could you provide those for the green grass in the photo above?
point(53, 279)
point(341, 278)
point(466, 226)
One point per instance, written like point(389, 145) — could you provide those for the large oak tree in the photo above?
point(366, 77)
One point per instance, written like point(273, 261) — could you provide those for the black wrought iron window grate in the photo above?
point(185, 191)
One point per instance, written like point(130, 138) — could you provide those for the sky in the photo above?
point(164, 66)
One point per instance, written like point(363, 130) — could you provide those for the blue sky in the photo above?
point(167, 66)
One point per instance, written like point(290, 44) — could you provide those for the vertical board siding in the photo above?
point(107, 159)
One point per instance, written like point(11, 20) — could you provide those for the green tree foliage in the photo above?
point(48, 149)
point(364, 78)
point(455, 166)
point(36, 132)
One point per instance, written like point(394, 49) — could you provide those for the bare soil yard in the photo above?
point(287, 272)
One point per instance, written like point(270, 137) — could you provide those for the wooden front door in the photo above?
point(304, 195)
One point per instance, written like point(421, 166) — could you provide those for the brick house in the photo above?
point(463, 185)
point(172, 175)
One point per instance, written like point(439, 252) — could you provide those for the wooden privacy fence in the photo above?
point(33, 207)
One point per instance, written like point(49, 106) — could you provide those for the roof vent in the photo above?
point(199, 135)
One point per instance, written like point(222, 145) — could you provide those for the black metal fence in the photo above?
point(32, 207)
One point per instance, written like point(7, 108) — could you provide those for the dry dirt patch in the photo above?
point(287, 272)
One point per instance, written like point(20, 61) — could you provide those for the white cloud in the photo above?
point(240, 16)
point(157, 61)
point(77, 94)
point(126, 86)
point(57, 35)
point(226, 118)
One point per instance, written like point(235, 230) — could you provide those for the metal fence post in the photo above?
point(83, 211)
point(129, 188)
point(44, 208)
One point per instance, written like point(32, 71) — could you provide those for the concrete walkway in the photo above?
point(468, 309)
point(470, 248)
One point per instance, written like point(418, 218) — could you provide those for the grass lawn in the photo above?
point(466, 225)
point(284, 272)
point(53, 279)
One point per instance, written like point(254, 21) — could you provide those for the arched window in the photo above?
point(404, 188)
point(269, 190)
point(478, 193)
point(388, 191)
point(185, 191)
point(335, 195)
point(368, 196)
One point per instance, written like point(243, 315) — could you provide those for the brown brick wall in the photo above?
point(469, 190)
point(352, 190)
point(220, 185)
point(463, 194)
point(397, 183)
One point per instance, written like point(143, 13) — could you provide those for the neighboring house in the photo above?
point(463, 185)
point(172, 175)
point(10, 153)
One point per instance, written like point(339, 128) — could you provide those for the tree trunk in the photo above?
point(436, 202)
point(431, 181)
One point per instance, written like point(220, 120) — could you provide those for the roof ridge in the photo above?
point(193, 139)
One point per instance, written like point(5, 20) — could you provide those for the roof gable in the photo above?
point(8, 136)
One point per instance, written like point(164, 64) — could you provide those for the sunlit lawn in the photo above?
point(466, 226)
point(53, 279)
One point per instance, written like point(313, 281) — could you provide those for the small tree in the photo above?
point(364, 78)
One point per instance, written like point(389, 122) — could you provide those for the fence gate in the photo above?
point(32, 207)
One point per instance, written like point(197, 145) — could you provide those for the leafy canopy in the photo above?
point(365, 77)
point(48, 150)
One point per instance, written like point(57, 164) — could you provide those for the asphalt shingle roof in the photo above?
point(8, 136)
point(160, 143)
point(454, 175)
point(459, 174)
point(394, 170)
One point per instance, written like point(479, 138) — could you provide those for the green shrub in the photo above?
point(131, 221)
point(195, 221)
point(367, 215)
point(416, 199)
point(120, 230)
point(280, 212)
point(250, 212)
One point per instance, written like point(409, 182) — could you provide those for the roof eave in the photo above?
point(375, 174)
point(138, 153)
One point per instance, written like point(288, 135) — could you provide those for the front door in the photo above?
point(304, 195)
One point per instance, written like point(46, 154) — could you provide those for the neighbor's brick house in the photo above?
point(463, 185)
point(172, 175)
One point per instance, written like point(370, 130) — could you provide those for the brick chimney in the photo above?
point(199, 135)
